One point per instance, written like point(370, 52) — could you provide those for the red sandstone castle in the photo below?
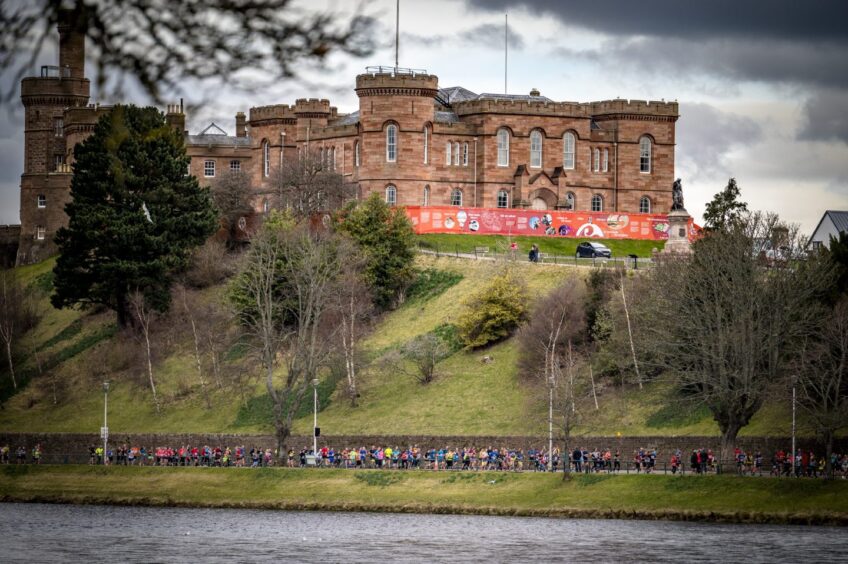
point(413, 142)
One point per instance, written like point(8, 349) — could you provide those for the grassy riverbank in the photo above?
point(712, 498)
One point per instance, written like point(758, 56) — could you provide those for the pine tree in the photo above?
point(134, 216)
point(725, 208)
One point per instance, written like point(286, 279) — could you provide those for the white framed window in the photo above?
point(503, 199)
point(391, 143)
point(456, 197)
point(645, 154)
point(448, 153)
point(644, 205)
point(426, 144)
point(465, 154)
point(426, 195)
point(266, 158)
point(597, 203)
point(503, 147)
point(356, 154)
point(391, 195)
point(209, 168)
point(456, 154)
point(570, 201)
point(42, 201)
point(266, 206)
point(535, 149)
point(597, 160)
point(606, 160)
point(568, 150)
point(58, 127)
point(235, 166)
point(58, 161)
point(39, 232)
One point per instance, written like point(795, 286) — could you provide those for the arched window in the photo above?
point(456, 197)
point(465, 154)
point(426, 144)
point(332, 158)
point(456, 154)
point(503, 199)
point(391, 143)
point(645, 154)
point(323, 156)
point(645, 205)
point(266, 158)
point(597, 203)
point(536, 149)
point(568, 150)
point(606, 160)
point(427, 195)
point(448, 153)
point(597, 166)
point(570, 201)
point(391, 195)
point(503, 147)
point(356, 153)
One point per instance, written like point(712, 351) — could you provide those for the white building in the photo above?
point(831, 224)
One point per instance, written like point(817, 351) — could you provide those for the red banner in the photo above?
point(508, 221)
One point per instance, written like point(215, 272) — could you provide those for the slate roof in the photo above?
point(456, 94)
point(446, 117)
point(516, 97)
point(839, 219)
point(214, 135)
point(350, 119)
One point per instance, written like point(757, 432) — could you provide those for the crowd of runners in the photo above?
point(805, 463)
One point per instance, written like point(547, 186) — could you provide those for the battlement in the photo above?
point(312, 106)
point(522, 106)
point(85, 115)
point(278, 111)
point(55, 87)
point(641, 107)
point(382, 81)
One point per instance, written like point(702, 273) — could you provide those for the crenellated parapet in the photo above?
point(397, 84)
point(83, 119)
point(522, 106)
point(649, 110)
point(54, 91)
point(312, 108)
point(265, 115)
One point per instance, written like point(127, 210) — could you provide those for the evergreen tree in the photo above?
point(386, 238)
point(725, 208)
point(134, 216)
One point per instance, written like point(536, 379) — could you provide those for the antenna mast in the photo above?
point(506, 47)
point(397, 32)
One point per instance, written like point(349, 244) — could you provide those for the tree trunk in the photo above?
point(150, 369)
point(11, 367)
point(630, 333)
point(828, 443)
point(728, 442)
point(196, 350)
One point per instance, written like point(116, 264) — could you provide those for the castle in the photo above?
point(412, 141)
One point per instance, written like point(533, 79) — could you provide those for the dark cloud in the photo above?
point(826, 117)
point(487, 35)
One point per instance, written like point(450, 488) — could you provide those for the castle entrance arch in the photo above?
point(538, 204)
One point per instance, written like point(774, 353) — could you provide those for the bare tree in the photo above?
point(232, 195)
point(423, 353)
point(189, 313)
point(725, 325)
point(166, 46)
point(143, 315)
point(17, 316)
point(822, 377)
point(309, 184)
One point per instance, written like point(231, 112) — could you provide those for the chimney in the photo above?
point(535, 92)
point(175, 116)
point(71, 44)
point(241, 125)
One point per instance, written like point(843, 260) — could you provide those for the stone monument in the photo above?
point(678, 223)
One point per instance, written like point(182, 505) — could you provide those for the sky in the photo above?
point(762, 84)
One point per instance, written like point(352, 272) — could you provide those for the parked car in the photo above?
point(589, 249)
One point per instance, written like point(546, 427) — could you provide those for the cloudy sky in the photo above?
point(762, 84)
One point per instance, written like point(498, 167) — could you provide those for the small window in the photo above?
point(448, 153)
point(58, 127)
point(426, 144)
point(597, 160)
point(597, 203)
point(266, 206)
point(456, 154)
point(391, 143)
point(503, 199)
point(570, 201)
point(391, 195)
point(209, 169)
point(645, 155)
point(606, 160)
point(645, 205)
point(266, 160)
point(568, 151)
point(58, 161)
point(39, 232)
point(503, 147)
point(356, 153)
point(456, 197)
point(465, 154)
point(426, 196)
point(536, 149)
point(235, 166)
point(42, 201)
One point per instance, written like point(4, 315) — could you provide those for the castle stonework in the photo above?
point(410, 140)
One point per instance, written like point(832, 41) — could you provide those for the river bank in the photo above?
point(726, 499)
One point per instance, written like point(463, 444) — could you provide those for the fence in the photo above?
point(484, 253)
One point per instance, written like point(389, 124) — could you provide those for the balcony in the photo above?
point(51, 71)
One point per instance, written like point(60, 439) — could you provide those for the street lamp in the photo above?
point(315, 430)
point(282, 147)
point(104, 432)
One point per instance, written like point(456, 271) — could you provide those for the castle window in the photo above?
point(570, 201)
point(606, 160)
point(536, 149)
point(426, 144)
point(597, 165)
point(356, 153)
point(503, 147)
point(58, 127)
point(448, 153)
point(39, 232)
point(333, 158)
point(597, 203)
point(266, 158)
point(456, 154)
point(58, 161)
point(645, 154)
point(645, 205)
point(391, 195)
point(42, 201)
point(208, 169)
point(465, 154)
point(568, 151)
point(503, 199)
point(456, 197)
point(266, 206)
point(235, 166)
point(391, 143)
point(427, 195)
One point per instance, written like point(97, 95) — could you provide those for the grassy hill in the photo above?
point(76, 351)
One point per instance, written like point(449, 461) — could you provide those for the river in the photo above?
point(70, 533)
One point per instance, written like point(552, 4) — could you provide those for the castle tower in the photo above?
point(45, 182)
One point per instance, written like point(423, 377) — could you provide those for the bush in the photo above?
point(493, 313)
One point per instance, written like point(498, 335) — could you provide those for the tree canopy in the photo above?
point(134, 216)
point(725, 208)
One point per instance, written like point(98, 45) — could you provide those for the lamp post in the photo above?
point(282, 147)
point(105, 430)
point(315, 417)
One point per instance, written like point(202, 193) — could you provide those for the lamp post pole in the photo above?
point(315, 417)
point(282, 147)
point(105, 422)
point(475, 172)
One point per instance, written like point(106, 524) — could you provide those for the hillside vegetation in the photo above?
point(77, 351)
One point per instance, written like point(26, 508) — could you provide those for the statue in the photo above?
point(677, 196)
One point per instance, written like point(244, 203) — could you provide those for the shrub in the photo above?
point(494, 312)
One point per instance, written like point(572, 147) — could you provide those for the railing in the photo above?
point(52, 71)
point(395, 71)
point(476, 253)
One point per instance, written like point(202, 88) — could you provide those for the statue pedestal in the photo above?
point(678, 227)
